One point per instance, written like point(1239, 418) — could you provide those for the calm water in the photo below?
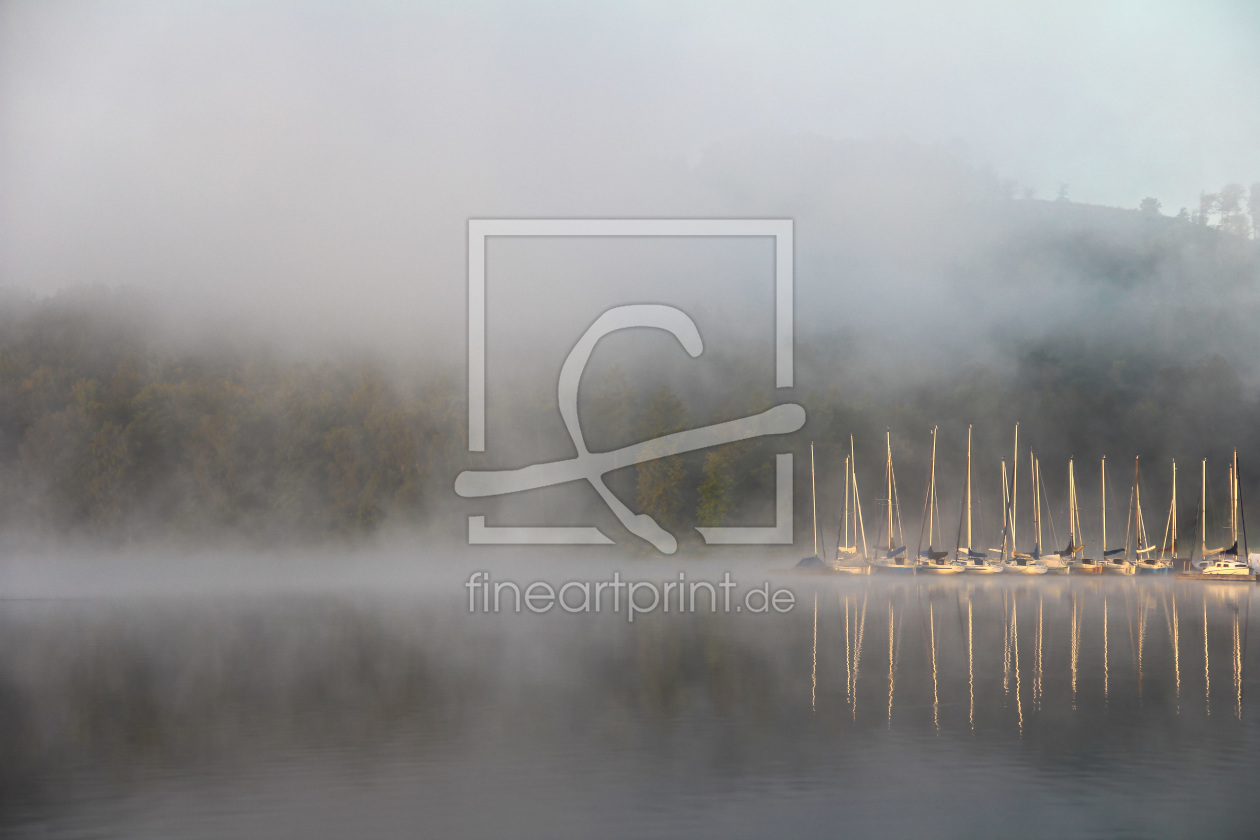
point(1087, 707)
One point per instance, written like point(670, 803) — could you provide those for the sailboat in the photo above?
point(1228, 563)
point(852, 528)
point(1168, 548)
point(813, 562)
point(1017, 562)
point(1113, 559)
point(891, 557)
point(933, 562)
point(1142, 557)
point(1053, 562)
point(964, 554)
point(1076, 544)
point(1001, 552)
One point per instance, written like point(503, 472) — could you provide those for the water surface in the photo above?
point(1093, 707)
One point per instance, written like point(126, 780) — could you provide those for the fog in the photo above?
point(274, 181)
point(315, 168)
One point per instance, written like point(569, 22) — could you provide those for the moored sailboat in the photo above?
point(930, 560)
point(1229, 563)
point(849, 558)
point(813, 562)
point(1053, 561)
point(965, 554)
point(1076, 539)
point(1143, 557)
point(890, 557)
point(1168, 547)
point(1113, 559)
point(1016, 561)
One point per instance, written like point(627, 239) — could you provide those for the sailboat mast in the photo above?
point(1172, 516)
point(1006, 501)
point(968, 493)
point(1128, 526)
point(1014, 485)
point(1203, 512)
point(1139, 527)
point(1244, 555)
point(888, 481)
point(1035, 469)
point(1104, 506)
point(932, 489)
point(1233, 501)
point(857, 500)
point(1072, 514)
point(813, 487)
point(846, 500)
point(926, 520)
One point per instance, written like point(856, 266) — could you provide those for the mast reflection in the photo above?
point(813, 674)
point(971, 670)
point(936, 702)
point(1207, 663)
point(1106, 655)
point(892, 662)
point(1075, 646)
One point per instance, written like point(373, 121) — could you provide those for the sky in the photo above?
point(305, 160)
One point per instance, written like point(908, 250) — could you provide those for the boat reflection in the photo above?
point(1037, 677)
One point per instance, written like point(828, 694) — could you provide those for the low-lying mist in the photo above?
point(925, 296)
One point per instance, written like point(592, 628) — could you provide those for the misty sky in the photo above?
point(317, 159)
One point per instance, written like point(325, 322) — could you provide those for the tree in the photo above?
point(1253, 209)
point(662, 481)
point(1229, 205)
point(715, 490)
point(1208, 204)
point(1150, 206)
point(1062, 193)
point(609, 413)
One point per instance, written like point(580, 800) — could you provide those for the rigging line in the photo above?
point(901, 532)
point(1049, 514)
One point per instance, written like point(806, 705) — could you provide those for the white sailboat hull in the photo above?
point(1027, 568)
point(938, 568)
point(1055, 563)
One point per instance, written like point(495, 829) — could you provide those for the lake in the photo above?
point(875, 707)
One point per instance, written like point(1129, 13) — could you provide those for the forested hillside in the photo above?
point(1104, 331)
